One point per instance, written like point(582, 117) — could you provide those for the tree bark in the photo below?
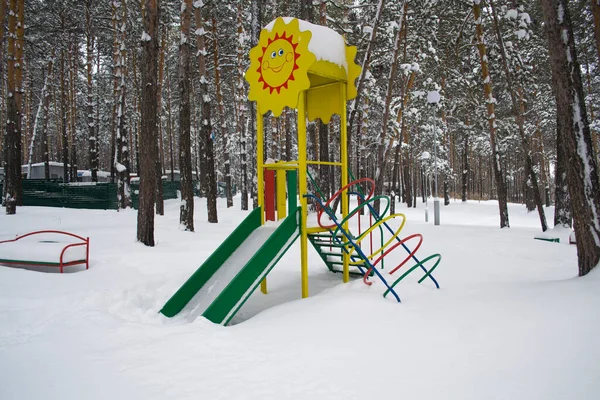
point(19, 66)
point(149, 123)
point(563, 216)
point(211, 193)
point(221, 109)
point(121, 156)
point(241, 119)
point(73, 62)
point(42, 113)
point(92, 143)
point(170, 127)
point(385, 143)
point(159, 167)
point(186, 208)
point(365, 66)
point(519, 110)
point(490, 101)
point(115, 59)
point(13, 137)
point(46, 111)
point(595, 4)
point(63, 114)
point(2, 129)
point(582, 173)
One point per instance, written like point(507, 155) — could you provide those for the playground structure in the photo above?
point(316, 77)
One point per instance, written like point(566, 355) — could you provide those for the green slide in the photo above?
point(228, 277)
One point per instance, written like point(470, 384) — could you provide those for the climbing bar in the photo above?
point(420, 264)
point(353, 244)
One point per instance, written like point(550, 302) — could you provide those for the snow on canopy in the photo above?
point(326, 44)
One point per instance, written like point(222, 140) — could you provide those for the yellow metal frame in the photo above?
point(331, 86)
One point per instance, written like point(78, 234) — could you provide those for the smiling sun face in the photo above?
point(278, 63)
point(279, 66)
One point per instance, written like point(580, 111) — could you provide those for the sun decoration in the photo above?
point(279, 65)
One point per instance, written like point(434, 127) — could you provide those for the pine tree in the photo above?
point(206, 129)
point(13, 133)
point(582, 173)
point(149, 121)
point(186, 208)
point(490, 104)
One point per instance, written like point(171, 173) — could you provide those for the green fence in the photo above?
point(169, 192)
point(99, 196)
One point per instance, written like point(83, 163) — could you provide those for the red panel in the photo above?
point(269, 195)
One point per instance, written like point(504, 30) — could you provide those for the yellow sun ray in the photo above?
point(279, 65)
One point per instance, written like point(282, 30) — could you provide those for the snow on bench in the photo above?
point(46, 248)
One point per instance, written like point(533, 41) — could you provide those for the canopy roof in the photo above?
point(294, 56)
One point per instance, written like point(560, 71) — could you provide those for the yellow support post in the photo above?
point(260, 189)
point(281, 200)
point(302, 187)
point(344, 162)
point(260, 184)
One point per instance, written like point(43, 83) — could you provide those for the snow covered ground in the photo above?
point(511, 320)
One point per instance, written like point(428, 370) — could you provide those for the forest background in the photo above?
point(151, 87)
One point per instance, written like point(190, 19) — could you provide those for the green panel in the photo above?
point(554, 240)
point(292, 184)
point(179, 300)
point(100, 196)
point(224, 307)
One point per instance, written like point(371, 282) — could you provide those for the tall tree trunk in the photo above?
point(3, 99)
point(97, 120)
point(211, 193)
point(365, 66)
point(134, 138)
point(170, 127)
point(121, 156)
point(519, 110)
point(186, 208)
point(394, 188)
point(221, 108)
point(150, 120)
point(404, 136)
point(73, 62)
point(92, 141)
point(116, 71)
point(19, 66)
point(563, 215)
point(63, 114)
point(595, 4)
point(13, 134)
point(582, 173)
point(385, 143)
point(490, 101)
point(159, 166)
point(591, 108)
point(47, 97)
point(255, 26)
point(241, 122)
point(42, 112)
